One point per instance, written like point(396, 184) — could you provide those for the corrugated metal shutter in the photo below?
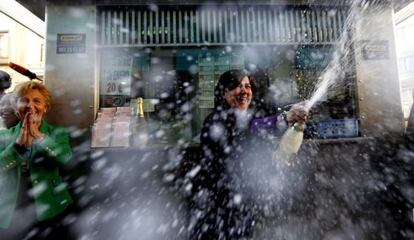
point(120, 26)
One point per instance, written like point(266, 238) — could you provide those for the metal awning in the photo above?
point(194, 25)
point(37, 7)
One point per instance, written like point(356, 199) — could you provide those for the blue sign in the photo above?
point(70, 43)
point(338, 128)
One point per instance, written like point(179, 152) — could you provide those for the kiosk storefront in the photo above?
point(161, 61)
point(171, 55)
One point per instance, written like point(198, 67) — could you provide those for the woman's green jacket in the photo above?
point(43, 159)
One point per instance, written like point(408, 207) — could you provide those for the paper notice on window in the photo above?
point(101, 134)
point(206, 102)
point(149, 104)
point(121, 134)
point(116, 76)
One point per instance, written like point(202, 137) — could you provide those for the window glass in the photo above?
point(177, 84)
point(4, 47)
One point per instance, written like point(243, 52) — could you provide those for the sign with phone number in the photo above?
point(116, 82)
point(70, 43)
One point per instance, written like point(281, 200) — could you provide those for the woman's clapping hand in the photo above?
point(30, 130)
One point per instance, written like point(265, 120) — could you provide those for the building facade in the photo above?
point(106, 54)
point(21, 43)
point(404, 35)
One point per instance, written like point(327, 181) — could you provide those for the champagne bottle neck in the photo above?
point(140, 107)
point(298, 127)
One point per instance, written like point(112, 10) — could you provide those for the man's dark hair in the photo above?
point(5, 80)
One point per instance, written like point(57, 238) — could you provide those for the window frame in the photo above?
point(5, 59)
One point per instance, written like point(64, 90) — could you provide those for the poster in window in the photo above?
point(116, 76)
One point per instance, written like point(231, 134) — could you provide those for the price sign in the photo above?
point(116, 82)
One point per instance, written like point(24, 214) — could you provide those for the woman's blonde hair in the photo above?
point(22, 88)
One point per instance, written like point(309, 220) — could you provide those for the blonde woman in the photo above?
point(30, 154)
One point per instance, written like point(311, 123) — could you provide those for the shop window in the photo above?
point(410, 64)
point(406, 64)
point(177, 84)
point(42, 53)
point(4, 47)
point(402, 66)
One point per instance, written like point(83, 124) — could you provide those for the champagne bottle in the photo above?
point(290, 143)
point(141, 127)
point(140, 109)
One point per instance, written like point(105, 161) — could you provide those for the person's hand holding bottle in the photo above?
point(298, 115)
point(292, 138)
